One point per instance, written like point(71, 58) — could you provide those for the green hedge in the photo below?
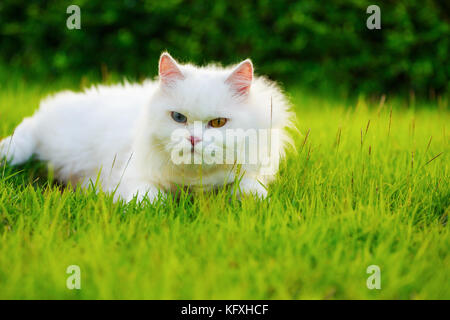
point(308, 42)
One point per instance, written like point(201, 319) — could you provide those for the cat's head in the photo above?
point(194, 108)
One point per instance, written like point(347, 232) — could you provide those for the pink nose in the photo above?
point(194, 140)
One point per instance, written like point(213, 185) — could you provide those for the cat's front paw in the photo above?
point(252, 188)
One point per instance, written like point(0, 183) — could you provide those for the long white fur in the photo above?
point(122, 133)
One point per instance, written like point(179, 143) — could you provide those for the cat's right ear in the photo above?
point(169, 72)
point(241, 78)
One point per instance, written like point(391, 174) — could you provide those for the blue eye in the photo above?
point(178, 117)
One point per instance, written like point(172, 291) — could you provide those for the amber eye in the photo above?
point(217, 123)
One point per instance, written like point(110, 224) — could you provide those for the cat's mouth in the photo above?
point(196, 150)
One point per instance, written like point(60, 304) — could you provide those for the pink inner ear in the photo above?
point(168, 69)
point(241, 78)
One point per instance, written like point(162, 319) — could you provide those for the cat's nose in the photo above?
point(194, 140)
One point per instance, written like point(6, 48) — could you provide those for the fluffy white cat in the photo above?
point(123, 134)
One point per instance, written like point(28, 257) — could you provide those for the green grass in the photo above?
point(368, 184)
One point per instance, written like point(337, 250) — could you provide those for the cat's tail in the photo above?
point(21, 145)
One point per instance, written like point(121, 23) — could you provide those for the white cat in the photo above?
point(123, 134)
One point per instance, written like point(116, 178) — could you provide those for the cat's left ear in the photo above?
point(241, 78)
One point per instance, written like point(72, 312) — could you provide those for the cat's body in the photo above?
point(122, 134)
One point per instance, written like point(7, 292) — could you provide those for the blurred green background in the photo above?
point(322, 45)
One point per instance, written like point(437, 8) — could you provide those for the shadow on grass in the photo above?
point(33, 172)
